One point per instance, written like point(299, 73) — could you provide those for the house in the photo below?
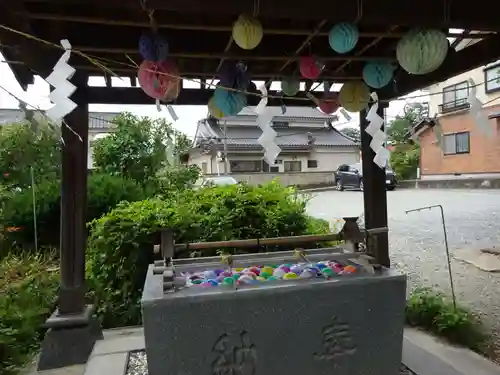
point(100, 124)
point(306, 136)
point(464, 151)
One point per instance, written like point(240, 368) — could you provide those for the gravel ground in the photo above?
point(138, 365)
point(416, 239)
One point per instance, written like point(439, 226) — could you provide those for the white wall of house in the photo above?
point(478, 75)
point(327, 160)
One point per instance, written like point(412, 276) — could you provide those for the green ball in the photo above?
point(274, 266)
point(199, 281)
point(328, 272)
point(236, 276)
point(272, 278)
point(265, 275)
point(229, 280)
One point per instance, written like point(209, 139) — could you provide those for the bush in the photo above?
point(433, 312)
point(121, 242)
point(104, 193)
point(28, 291)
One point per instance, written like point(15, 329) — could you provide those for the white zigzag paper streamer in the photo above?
point(378, 136)
point(476, 112)
point(63, 88)
point(268, 138)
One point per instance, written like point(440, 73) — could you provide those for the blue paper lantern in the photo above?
point(343, 37)
point(153, 47)
point(378, 74)
point(234, 76)
point(229, 102)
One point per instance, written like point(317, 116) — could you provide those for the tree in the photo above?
point(139, 147)
point(398, 129)
point(22, 148)
point(353, 133)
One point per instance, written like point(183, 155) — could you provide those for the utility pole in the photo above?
point(225, 149)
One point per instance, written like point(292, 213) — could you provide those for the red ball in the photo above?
point(310, 68)
point(329, 103)
point(158, 78)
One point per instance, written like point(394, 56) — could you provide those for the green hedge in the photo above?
point(121, 242)
point(28, 289)
point(104, 193)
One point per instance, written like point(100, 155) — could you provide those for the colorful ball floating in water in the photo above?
point(261, 274)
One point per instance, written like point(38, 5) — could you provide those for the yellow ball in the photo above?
point(247, 32)
point(214, 110)
point(354, 96)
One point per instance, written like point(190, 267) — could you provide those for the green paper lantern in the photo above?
point(290, 86)
point(422, 51)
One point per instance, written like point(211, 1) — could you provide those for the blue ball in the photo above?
point(229, 102)
point(378, 74)
point(153, 47)
point(343, 37)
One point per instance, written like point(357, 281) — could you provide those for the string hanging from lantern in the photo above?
point(379, 137)
point(476, 111)
point(268, 138)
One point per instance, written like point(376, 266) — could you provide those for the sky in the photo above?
point(188, 116)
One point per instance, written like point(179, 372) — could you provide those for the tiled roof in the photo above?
point(292, 113)
point(247, 135)
point(97, 120)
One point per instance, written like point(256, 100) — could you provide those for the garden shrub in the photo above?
point(104, 193)
point(28, 291)
point(434, 312)
point(121, 242)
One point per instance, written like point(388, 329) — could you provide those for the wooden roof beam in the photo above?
point(204, 28)
point(430, 13)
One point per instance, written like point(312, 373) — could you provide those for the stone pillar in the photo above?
point(375, 195)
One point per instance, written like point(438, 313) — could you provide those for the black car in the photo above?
point(351, 177)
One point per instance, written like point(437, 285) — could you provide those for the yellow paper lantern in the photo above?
point(354, 96)
point(214, 110)
point(247, 32)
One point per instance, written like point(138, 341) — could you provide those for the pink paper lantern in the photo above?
point(329, 103)
point(157, 78)
point(310, 67)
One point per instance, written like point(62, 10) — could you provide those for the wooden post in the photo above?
point(375, 195)
point(73, 320)
point(73, 204)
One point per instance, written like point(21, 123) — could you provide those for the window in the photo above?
point(293, 166)
point(343, 168)
point(455, 97)
point(492, 79)
point(458, 143)
point(246, 166)
point(204, 167)
point(312, 164)
point(275, 169)
point(354, 169)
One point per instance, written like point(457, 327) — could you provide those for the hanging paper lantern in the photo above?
point(214, 110)
point(310, 67)
point(229, 102)
point(422, 51)
point(378, 74)
point(329, 103)
point(343, 37)
point(153, 47)
point(157, 78)
point(290, 86)
point(247, 32)
point(354, 96)
point(234, 76)
point(172, 92)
